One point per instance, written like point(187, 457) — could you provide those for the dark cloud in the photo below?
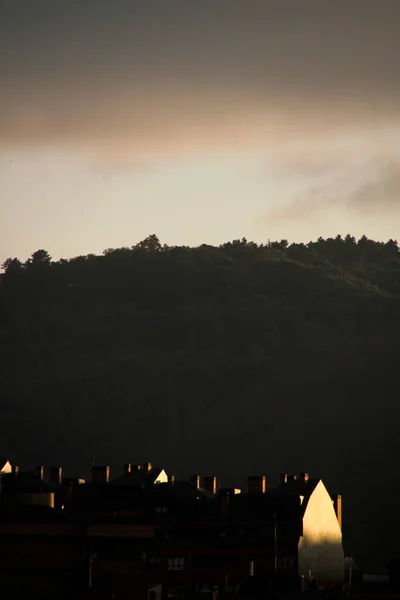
point(86, 69)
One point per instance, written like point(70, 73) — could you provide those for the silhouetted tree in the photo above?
point(40, 257)
point(150, 244)
point(11, 265)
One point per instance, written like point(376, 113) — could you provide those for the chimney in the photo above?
point(337, 505)
point(15, 469)
point(195, 480)
point(136, 468)
point(147, 467)
point(256, 484)
point(101, 474)
point(127, 468)
point(56, 475)
point(225, 501)
point(304, 477)
point(171, 479)
point(251, 568)
point(40, 471)
point(210, 484)
point(291, 477)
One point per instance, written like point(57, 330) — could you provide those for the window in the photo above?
point(202, 588)
point(215, 559)
point(176, 564)
point(161, 510)
point(175, 592)
point(285, 562)
point(261, 563)
point(154, 560)
point(263, 533)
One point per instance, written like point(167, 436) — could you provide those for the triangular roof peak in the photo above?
point(5, 466)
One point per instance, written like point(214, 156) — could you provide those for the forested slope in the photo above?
point(232, 359)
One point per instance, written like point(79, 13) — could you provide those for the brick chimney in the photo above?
point(40, 471)
point(56, 475)
point(225, 501)
point(337, 505)
point(256, 484)
point(304, 477)
point(195, 480)
point(210, 484)
point(127, 468)
point(101, 474)
point(251, 568)
point(147, 467)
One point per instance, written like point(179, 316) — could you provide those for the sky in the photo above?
point(201, 121)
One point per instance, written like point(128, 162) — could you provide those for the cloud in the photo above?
point(370, 190)
point(96, 73)
point(380, 194)
point(318, 199)
point(333, 151)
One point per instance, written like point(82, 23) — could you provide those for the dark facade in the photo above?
point(119, 538)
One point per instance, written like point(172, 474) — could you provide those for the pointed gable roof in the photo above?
point(5, 466)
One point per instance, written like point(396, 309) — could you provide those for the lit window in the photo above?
point(176, 564)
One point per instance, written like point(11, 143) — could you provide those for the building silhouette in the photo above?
point(146, 534)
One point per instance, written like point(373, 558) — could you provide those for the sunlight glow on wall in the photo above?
point(320, 547)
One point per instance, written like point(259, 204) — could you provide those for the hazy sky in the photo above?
point(197, 120)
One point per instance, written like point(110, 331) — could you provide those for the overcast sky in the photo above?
point(198, 120)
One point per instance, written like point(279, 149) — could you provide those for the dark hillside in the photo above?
point(232, 359)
